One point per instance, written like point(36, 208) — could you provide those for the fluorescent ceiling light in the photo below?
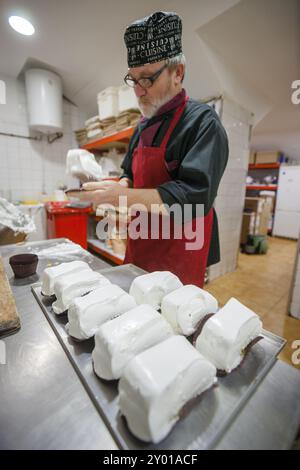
point(21, 25)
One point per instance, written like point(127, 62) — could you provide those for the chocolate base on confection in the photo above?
point(183, 412)
point(245, 352)
point(76, 340)
point(105, 381)
point(125, 423)
point(199, 328)
point(220, 372)
point(61, 313)
point(189, 405)
point(48, 297)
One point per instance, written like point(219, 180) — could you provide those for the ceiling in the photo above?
point(255, 50)
point(248, 48)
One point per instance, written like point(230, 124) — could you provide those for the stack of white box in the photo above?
point(116, 100)
point(127, 99)
point(108, 103)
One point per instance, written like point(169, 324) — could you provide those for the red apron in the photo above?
point(149, 171)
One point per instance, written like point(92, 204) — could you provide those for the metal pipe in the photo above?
point(21, 136)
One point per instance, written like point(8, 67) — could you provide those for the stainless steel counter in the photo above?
point(45, 406)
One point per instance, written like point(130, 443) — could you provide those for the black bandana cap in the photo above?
point(154, 38)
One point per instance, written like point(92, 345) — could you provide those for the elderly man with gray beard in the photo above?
point(177, 154)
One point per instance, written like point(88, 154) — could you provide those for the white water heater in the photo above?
point(44, 100)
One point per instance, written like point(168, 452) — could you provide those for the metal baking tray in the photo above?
point(209, 418)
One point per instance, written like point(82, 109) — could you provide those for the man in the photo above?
point(177, 154)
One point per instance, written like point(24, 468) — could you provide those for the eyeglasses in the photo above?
point(144, 82)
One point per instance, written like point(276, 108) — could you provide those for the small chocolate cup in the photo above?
point(24, 265)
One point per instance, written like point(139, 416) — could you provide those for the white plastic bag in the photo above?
point(82, 165)
point(14, 218)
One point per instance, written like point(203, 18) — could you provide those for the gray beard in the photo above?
point(149, 110)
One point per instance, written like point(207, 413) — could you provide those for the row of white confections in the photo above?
point(69, 280)
point(87, 314)
point(127, 347)
point(120, 340)
point(182, 306)
point(157, 382)
point(159, 370)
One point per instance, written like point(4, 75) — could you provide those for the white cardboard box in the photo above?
point(108, 103)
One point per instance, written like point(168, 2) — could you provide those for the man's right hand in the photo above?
point(97, 185)
point(105, 184)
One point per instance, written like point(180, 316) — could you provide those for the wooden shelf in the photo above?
point(271, 187)
point(259, 166)
point(101, 248)
point(122, 138)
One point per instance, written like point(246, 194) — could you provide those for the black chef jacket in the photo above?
point(199, 144)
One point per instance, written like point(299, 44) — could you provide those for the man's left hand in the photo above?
point(106, 194)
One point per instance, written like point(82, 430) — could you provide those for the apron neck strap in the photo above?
point(175, 119)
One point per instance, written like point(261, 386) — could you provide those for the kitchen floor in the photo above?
point(262, 283)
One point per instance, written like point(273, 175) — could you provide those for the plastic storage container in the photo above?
point(127, 99)
point(67, 222)
point(108, 103)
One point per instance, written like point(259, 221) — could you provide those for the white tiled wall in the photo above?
point(230, 200)
point(29, 168)
point(295, 299)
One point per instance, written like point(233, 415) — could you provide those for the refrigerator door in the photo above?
point(288, 194)
point(287, 224)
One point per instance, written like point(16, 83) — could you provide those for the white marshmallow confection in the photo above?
point(86, 314)
point(151, 288)
point(52, 274)
point(119, 340)
point(185, 307)
point(226, 334)
point(73, 285)
point(157, 383)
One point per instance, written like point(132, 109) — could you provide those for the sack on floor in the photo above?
point(256, 244)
